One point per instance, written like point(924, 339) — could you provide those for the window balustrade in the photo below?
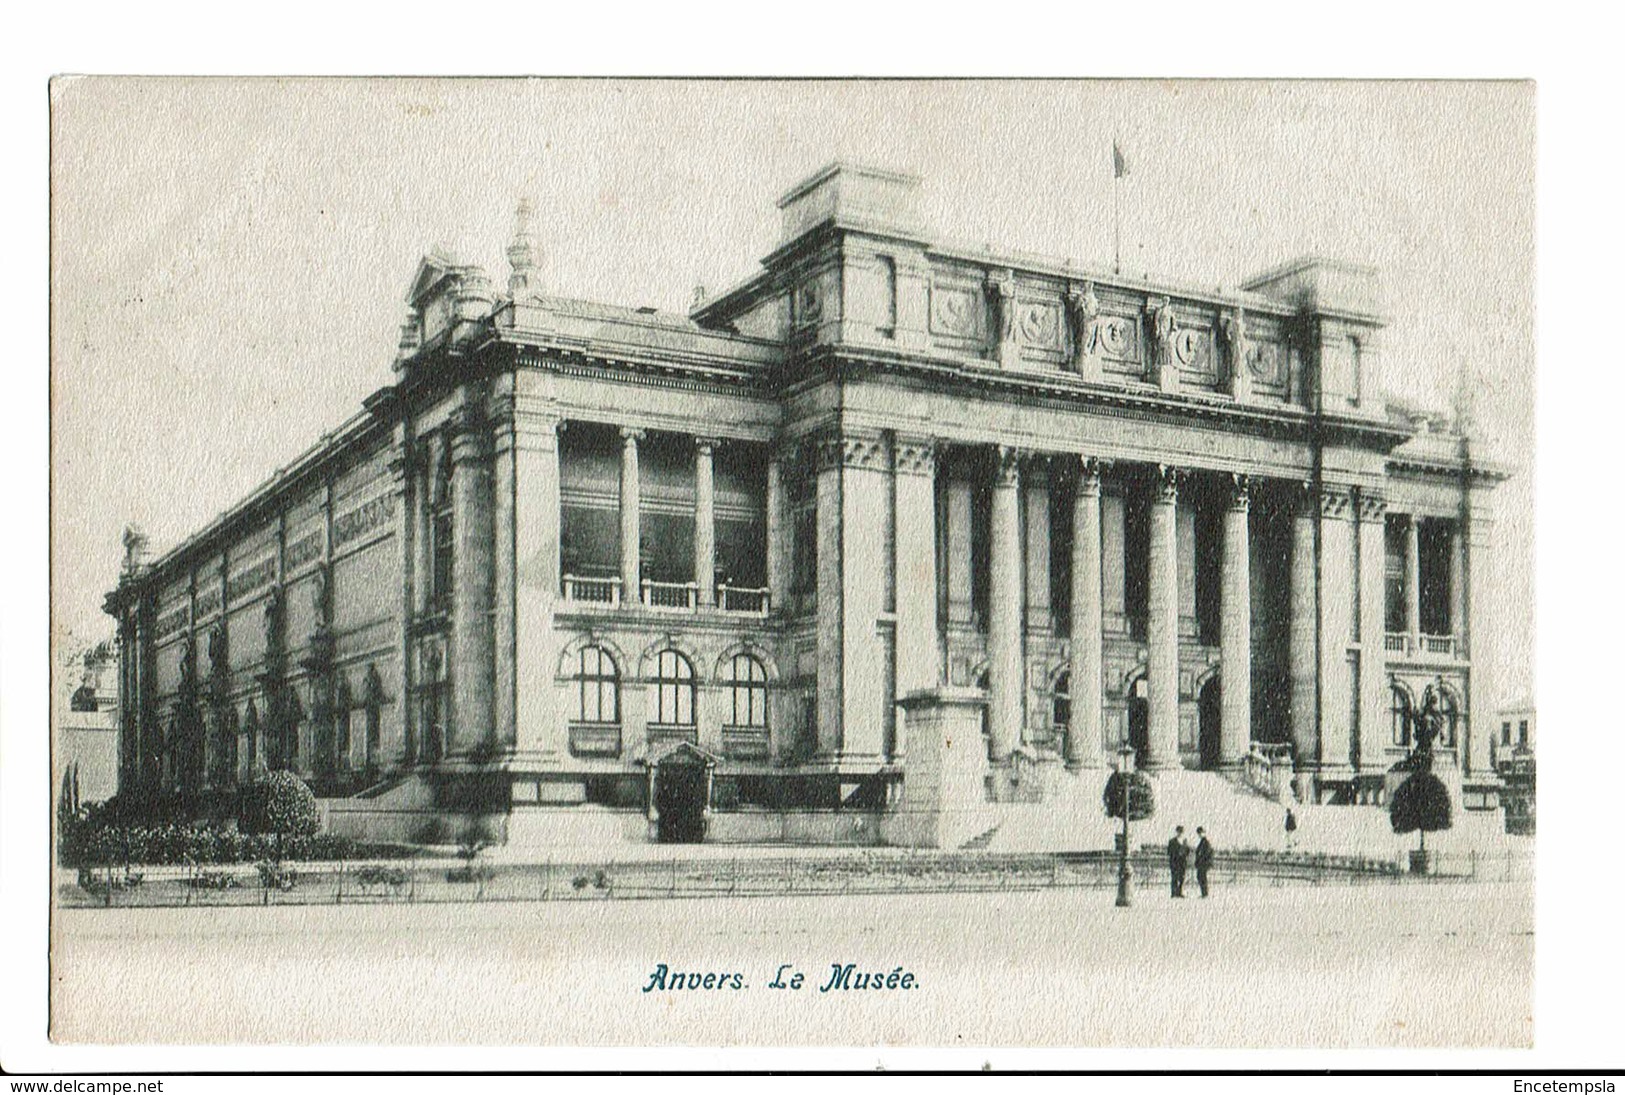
point(603, 591)
point(745, 742)
point(668, 596)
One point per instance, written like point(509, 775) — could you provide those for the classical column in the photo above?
point(1185, 543)
point(471, 662)
point(1235, 629)
point(1036, 487)
point(830, 650)
point(854, 705)
point(960, 601)
point(1114, 562)
point(1302, 653)
point(1413, 582)
point(1006, 678)
point(1481, 632)
point(919, 655)
point(705, 520)
point(1162, 625)
point(631, 520)
point(1373, 553)
point(778, 538)
point(1336, 580)
point(1083, 735)
point(407, 489)
point(540, 727)
point(503, 635)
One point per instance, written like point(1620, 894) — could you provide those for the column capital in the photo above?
point(1007, 466)
point(1241, 492)
point(1334, 502)
point(1373, 507)
point(1167, 484)
point(915, 455)
point(631, 435)
point(706, 445)
point(851, 449)
point(1090, 470)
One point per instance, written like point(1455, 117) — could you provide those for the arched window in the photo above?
point(1447, 705)
point(1400, 709)
point(598, 686)
point(749, 680)
point(674, 679)
point(1061, 703)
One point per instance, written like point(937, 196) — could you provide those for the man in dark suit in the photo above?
point(1204, 859)
point(1178, 852)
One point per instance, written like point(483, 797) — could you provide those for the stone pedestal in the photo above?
point(945, 771)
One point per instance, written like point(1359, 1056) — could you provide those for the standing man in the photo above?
point(1178, 852)
point(1204, 859)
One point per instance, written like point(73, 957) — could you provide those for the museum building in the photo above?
point(603, 572)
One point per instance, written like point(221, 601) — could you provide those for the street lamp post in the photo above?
point(1125, 873)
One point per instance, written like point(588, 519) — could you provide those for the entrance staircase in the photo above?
point(1236, 815)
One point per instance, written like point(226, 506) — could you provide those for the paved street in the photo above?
point(1441, 965)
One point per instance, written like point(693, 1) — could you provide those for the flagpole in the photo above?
point(1117, 226)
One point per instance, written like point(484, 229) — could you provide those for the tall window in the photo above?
point(343, 709)
point(749, 692)
point(674, 679)
point(1400, 709)
point(1506, 733)
point(1523, 733)
point(598, 686)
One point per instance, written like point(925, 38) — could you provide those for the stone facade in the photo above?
point(574, 547)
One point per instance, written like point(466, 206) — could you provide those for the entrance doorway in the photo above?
point(682, 784)
point(1207, 722)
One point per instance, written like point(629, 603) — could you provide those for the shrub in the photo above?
point(275, 876)
point(1141, 797)
point(432, 831)
point(281, 805)
point(474, 839)
point(215, 880)
point(1420, 805)
point(374, 875)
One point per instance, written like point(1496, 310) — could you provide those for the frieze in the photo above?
point(171, 622)
point(305, 550)
point(1117, 337)
point(244, 581)
point(1193, 347)
point(1373, 507)
point(1040, 324)
point(956, 311)
point(1267, 363)
point(365, 518)
point(208, 603)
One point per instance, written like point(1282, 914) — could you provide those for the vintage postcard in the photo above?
point(884, 564)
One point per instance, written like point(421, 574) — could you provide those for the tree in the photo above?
point(1420, 805)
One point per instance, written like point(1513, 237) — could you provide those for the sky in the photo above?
point(230, 257)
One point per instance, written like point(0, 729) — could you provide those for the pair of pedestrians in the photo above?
point(1179, 855)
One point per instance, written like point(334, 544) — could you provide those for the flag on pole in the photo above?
point(1119, 162)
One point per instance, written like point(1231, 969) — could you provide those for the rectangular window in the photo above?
point(440, 538)
point(1506, 733)
point(1394, 576)
point(1523, 733)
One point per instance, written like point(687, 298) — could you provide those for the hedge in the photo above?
point(85, 844)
